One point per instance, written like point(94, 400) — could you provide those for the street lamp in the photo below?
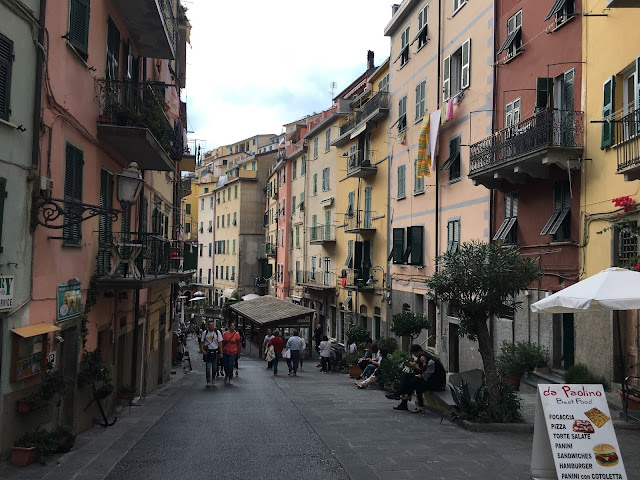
point(372, 280)
point(129, 184)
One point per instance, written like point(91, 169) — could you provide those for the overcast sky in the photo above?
point(255, 65)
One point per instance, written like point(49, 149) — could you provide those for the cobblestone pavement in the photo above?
point(310, 426)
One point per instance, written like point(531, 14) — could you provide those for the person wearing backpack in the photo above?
point(210, 348)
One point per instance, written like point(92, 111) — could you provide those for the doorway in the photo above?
point(454, 348)
point(563, 340)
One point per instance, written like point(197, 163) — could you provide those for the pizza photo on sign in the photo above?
point(598, 417)
point(582, 426)
point(605, 455)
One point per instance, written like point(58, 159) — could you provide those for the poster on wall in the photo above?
point(6, 292)
point(574, 435)
point(69, 301)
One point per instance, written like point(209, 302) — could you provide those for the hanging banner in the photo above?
point(574, 436)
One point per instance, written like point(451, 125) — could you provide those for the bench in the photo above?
point(442, 402)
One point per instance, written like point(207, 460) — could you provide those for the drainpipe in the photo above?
point(37, 105)
point(437, 213)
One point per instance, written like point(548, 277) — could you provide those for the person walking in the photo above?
point(210, 348)
point(325, 354)
point(265, 343)
point(295, 344)
point(277, 344)
point(231, 349)
point(317, 337)
point(303, 350)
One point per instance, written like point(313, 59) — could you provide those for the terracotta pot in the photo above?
point(354, 371)
point(104, 118)
point(22, 456)
point(513, 381)
point(634, 402)
point(25, 406)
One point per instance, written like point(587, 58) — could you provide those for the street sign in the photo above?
point(574, 436)
point(6, 292)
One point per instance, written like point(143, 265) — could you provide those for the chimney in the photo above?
point(370, 64)
point(394, 8)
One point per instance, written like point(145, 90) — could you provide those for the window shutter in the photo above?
point(350, 205)
point(637, 87)
point(417, 242)
point(417, 116)
point(68, 172)
point(466, 65)
point(446, 79)
point(347, 263)
point(78, 167)
point(608, 99)
point(398, 245)
point(3, 195)
point(79, 25)
point(315, 183)
point(366, 255)
point(544, 93)
point(6, 60)
point(357, 255)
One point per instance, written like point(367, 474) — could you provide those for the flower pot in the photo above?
point(25, 406)
point(127, 396)
point(65, 443)
point(23, 456)
point(513, 381)
point(634, 402)
point(104, 119)
point(354, 371)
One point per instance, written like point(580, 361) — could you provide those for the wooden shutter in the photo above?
point(401, 181)
point(348, 263)
point(366, 257)
point(357, 255)
point(6, 60)
point(368, 191)
point(544, 93)
point(3, 195)
point(637, 88)
point(417, 242)
point(79, 25)
point(465, 77)
point(398, 245)
point(350, 205)
point(446, 78)
point(73, 187)
point(608, 101)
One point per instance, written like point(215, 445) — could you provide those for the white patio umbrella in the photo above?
point(611, 289)
point(250, 296)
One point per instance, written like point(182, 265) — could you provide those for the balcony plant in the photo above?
point(28, 448)
point(96, 373)
point(64, 437)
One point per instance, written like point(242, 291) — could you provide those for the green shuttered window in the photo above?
point(608, 102)
point(79, 26)
point(6, 60)
point(74, 163)
point(3, 195)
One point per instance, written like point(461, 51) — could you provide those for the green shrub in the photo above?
point(409, 324)
point(43, 440)
point(520, 357)
point(475, 407)
point(349, 360)
point(579, 373)
point(391, 369)
point(357, 334)
point(389, 344)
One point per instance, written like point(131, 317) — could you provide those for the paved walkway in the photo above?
point(310, 426)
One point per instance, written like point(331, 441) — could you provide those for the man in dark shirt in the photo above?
point(278, 345)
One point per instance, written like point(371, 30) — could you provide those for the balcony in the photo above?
point(360, 222)
point(357, 280)
point(318, 280)
point(152, 26)
point(359, 164)
point(323, 234)
point(132, 123)
point(270, 249)
point(139, 260)
point(626, 142)
point(377, 107)
point(528, 149)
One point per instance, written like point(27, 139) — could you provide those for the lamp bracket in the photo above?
point(47, 210)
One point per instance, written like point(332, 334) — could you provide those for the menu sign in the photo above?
point(574, 428)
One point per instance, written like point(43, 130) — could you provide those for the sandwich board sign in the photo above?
point(573, 435)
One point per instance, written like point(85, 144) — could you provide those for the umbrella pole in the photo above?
point(620, 349)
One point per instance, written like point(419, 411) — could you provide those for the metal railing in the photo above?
point(318, 278)
point(360, 219)
point(547, 128)
point(626, 136)
point(138, 255)
point(136, 104)
point(166, 6)
point(323, 233)
point(359, 159)
point(380, 101)
point(356, 277)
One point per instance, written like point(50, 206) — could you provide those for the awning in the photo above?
point(346, 303)
point(358, 130)
point(250, 296)
point(227, 292)
point(510, 38)
point(269, 309)
point(196, 299)
point(453, 156)
point(557, 6)
point(33, 330)
point(327, 202)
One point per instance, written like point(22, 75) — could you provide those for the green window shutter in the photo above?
point(315, 184)
point(3, 195)
point(401, 181)
point(366, 254)
point(544, 93)
point(6, 60)
point(350, 205)
point(79, 25)
point(398, 244)
point(234, 247)
point(187, 227)
point(235, 191)
point(446, 79)
point(303, 166)
point(608, 102)
point(357, 255)
point(293, 205)
point(73, 188)
point(417, 242)
point(347, 263)
point(187, 208)
point(465, 75)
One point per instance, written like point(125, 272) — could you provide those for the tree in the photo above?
point(357, 334)
point(481, 280)
point(409, 324)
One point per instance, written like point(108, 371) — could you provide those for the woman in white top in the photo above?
point(325, 354)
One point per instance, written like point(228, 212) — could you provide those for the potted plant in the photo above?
point(127, 392)
point(510, 364)
point(64, 437)
point(28, 448)
point(96, 373)
point(25, 405)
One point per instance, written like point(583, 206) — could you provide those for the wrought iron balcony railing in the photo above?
point(137, 255)
point(378, 103)
point(315, 278)
point(359, 160)
point(323, 233)
point(356, 279)
point(547, 128)
point(626, 137)
point(359, 221)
